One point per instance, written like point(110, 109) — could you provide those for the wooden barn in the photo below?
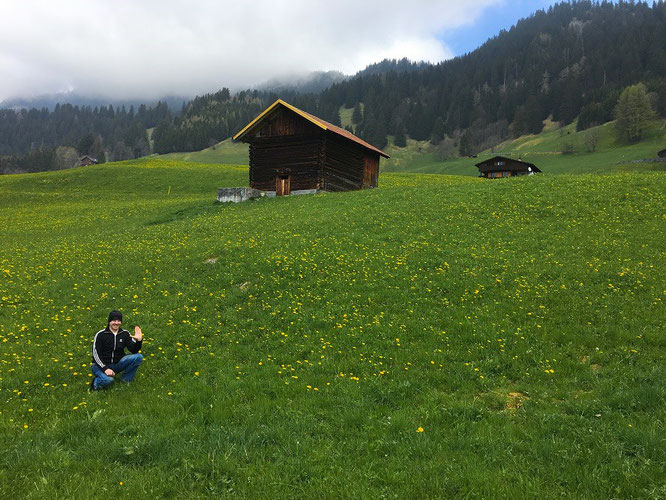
point(501, 166)
point(293, 152)
point(86, 160)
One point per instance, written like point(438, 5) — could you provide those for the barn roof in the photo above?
point(311, 118)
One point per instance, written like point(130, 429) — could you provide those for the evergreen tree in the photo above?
point(400, 139)
point(97, 150)
point(357, 114)
point(519, 124)
point(466, 147)
point(533, 116)
point(85, 144)
point(438, 131)
point(590, 116)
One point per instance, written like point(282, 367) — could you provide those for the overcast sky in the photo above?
point(154, 48)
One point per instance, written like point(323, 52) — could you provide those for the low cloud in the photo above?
point(149, 48)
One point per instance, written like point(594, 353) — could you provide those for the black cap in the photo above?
point(115, 315)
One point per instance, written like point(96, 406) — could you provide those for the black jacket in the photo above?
point(109, 348)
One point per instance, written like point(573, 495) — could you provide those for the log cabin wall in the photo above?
point(296, 156)
point(291, 150)
point(286, 145)
point(370, 170)
point(343, 165)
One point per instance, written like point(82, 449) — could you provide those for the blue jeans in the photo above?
point(128, 364)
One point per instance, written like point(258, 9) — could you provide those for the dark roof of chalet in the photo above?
point(311, 118)
point(662, 153)
point(88, 157)
point(492, 160)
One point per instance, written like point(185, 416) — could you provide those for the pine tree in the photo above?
point(85, 144)
point(400, 139)
point(438, 131)
point(357, 115)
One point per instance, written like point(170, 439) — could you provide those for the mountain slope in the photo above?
point(553, 63)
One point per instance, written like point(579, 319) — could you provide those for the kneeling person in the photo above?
point(109, 356)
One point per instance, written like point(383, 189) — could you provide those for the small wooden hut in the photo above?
point(662, 153)
point(501, 166)
point(292, 152)
point(86, 160)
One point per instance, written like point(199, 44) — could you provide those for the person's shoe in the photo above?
point(92, 385)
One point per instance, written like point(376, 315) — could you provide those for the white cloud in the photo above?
point(129, 48)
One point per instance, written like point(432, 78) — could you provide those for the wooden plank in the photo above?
point(370, 170)
point(298, 156)
point(343, 169)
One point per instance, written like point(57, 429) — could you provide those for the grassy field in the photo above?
point(346, 116)
point(440, 336)
point(226, 152)
point(545, 151)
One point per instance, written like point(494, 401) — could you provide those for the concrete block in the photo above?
point(238, 194)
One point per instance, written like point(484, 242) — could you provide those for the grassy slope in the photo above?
point(544, 151)
point(225, 152)
point(518, 323)
point(345, 116)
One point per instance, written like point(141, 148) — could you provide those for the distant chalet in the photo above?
point(86, 160)
point(292, 152)
point(501, 166)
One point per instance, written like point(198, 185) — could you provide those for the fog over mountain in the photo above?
point(133, 50)
point(49, 101)
point(313, 82)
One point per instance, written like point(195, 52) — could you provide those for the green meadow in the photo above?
point(226, 152)
point(439, 336)
point(545, 150)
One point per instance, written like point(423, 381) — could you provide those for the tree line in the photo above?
point(211, 118)
point(570, 61)
point(32, 140)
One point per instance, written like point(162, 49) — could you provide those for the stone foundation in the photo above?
point(238, 194)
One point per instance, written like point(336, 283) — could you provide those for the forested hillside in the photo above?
point(570, 61)
point(29, 138)
point(573, 59)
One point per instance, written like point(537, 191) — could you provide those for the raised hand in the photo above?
point(138, 334)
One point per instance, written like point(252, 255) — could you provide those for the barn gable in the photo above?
point(280, 121)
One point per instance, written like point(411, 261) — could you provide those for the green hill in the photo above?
point(225, 152)
point(544, 150)
point(440, 336)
